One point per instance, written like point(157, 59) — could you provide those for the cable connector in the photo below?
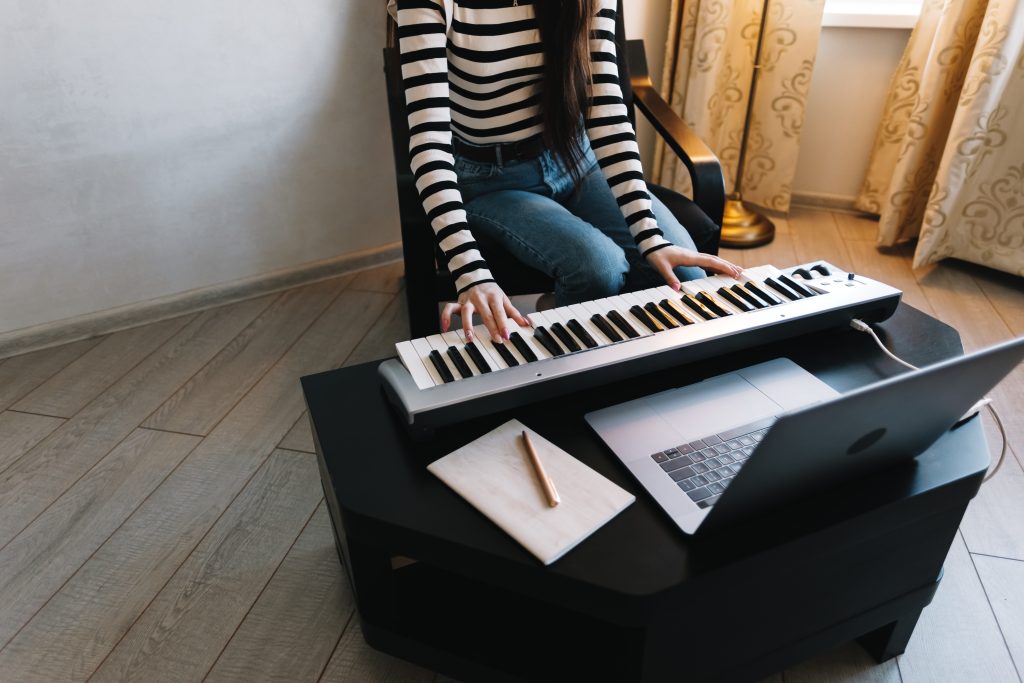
point(860, 325)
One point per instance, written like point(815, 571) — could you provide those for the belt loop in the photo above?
point(497, 153)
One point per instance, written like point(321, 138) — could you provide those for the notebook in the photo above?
point(494, 474)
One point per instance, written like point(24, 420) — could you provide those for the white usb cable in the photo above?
point(862, 326)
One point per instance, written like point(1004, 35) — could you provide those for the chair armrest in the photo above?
point(704, 167)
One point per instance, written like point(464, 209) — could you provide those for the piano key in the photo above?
point(796, 287)
point(622, 324)
point(482, 363)
point(568, 341)
point(582, 315)
point(483, 343)
point(782, 289)
point(606, 327)
point(541, 334)
point(733, 299)
point(413, 362)
point(675, 311)
point(423, 350)
point(739, 290)
point(504, 352)
point(596, 309)
point(441, 366)
point(525, 347)
point(661, 316)
point(761, 294)
point(698, 307)
point(712, 304)
point(582, 334)
point(438, 343)
point(645, 318)
point(621, 307)
point(453, 338)
point(455, 356)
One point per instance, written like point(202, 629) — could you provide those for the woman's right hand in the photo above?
point(489, 301)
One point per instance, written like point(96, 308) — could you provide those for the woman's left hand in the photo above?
point(665, 259)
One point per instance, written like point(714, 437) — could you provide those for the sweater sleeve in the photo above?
point(612, 136)
point(422, 40)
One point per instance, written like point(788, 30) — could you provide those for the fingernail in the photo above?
point(469, 336)
point(505, 334)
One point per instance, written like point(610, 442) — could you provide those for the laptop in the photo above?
point(741, 443)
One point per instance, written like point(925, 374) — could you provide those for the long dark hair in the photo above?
point(565, 34)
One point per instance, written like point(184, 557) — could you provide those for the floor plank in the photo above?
point(94, 609)
point(81, 381)
point(184, 629)
point(354, 660)
point(1004, 585)
point(20, 432)
point(387, 278)
point(380, 341)
point(33, 482)
point(300, 436)
point(201, 403)
point(856, 228)
point(21, 374)
point(994, 523)
point(37, 562)
point(957, 638)
point(292, 629)
point(849, 664)
point(779, 252)
point(819, 238)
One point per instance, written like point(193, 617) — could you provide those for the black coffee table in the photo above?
point(639, 600)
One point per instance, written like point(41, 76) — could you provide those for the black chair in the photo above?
point(427, 282)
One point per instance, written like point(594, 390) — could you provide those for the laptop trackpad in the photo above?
point(714, 405)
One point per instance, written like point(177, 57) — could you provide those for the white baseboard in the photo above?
point(98, 323)
point(824, 200)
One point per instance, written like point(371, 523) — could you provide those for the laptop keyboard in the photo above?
point(704, 468)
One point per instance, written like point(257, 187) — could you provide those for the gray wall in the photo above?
point(149, 148)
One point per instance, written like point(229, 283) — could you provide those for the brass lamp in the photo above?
point(743, 228)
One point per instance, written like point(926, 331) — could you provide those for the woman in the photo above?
point(543, 160)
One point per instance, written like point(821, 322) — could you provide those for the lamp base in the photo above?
point(743, 228)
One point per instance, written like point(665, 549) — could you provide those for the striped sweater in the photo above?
point(474, 68)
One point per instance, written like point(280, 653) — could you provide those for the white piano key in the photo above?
point(482, 341)
point(414, 364)
point(727, 282)
point(563, 316)
point(457, 340)
point(581, 315)
point(439, 345)
point(423, 348)
point(592, 308)
point(634, 300)
point(527, 334)
point(622, 305)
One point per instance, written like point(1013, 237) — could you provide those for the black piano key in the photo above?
point(782, 289)
point(649, 322)
point(605, 327)
point(660, 315)
point(698, 307)
point(506, 355)
point(478, 358)
point(712, 305)
point(673, 309)
point(796, 287)
point(565, 337)
point(734, 300)
point(442, 368)
point(459, 362)
point(547, 341)
point(522, 347)
point(764, 296)
point(821, 269)
point(622, 324)
point(582, 334)
point(804, 273)
point(748, 297)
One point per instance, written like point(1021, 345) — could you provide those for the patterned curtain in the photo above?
point(708, 67)
point(948, 161)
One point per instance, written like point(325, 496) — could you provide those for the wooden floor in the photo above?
point(161, 514)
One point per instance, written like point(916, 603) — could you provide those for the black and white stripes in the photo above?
point(473, 68)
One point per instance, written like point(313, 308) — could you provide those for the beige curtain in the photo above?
point(708, 65)
point(948, 160)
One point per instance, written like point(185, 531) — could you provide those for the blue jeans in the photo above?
point(580, 239)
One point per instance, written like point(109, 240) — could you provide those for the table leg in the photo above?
point(890, 640)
